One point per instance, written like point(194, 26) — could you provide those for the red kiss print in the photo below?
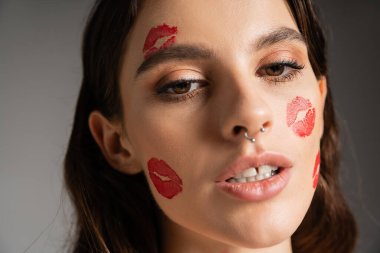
point(164, 178)
point(157, 33)
point(316, 170)
point(305, 126)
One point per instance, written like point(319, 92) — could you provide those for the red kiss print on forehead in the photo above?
point(305, 126)
point(157, 33)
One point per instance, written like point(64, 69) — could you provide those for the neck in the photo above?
point(179, 239)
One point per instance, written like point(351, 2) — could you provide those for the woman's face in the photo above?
point(195, 75)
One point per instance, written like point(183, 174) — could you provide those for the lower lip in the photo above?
point(259, 190)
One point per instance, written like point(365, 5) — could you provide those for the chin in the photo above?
point(261, 234)
point(258, 240)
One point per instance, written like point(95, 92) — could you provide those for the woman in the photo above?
point(206, 126)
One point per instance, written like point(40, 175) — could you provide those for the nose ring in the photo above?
point(252, 139)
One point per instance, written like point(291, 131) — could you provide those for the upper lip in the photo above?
point(244, 162)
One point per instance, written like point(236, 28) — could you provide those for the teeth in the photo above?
point(241, 180)
point(232, 180)
point(251, 172)
point(251, 175)
point(266, 169)
point(260, 177)
point(267, 174)
point(251, 179)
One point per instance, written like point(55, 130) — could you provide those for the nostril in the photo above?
point(266, 126)
point(238, 129)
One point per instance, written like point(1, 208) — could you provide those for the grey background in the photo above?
point(40, 74)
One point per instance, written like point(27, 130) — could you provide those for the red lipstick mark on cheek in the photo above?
point(164, 178)
point(303, 127)
point(156, 33)
point(316, 170)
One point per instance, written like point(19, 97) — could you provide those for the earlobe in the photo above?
point(108, 137)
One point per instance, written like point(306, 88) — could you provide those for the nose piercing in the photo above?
point(252, 139)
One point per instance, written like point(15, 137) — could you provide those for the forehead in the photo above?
point(225, 26)
point(214, 17)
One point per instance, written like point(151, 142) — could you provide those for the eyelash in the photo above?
point(292, 66)
point(163, 90)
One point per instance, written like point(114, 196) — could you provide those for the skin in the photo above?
point(196, 136)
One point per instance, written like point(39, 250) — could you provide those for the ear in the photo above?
point(323, 89)
point(108, 136)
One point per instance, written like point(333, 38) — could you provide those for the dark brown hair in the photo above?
point(116, 212)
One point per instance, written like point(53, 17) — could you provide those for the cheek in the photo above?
point(165, 179)
point(301, 125)
point(316, 170)
point(159, 37)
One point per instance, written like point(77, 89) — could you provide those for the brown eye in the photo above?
point(274, 70)
point(282, 71)
point(182, 87)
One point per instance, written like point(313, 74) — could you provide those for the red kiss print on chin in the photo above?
point(305, 126)
point(316, 170)
point(157, 33)
point(164, 178)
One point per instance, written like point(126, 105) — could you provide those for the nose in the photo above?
point(246, 112)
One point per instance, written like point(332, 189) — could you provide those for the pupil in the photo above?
point(182, 87)
point(275, 70)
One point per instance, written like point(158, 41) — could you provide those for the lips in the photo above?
point(305, 126)
point(259, 190)
point(157, 33)
point(243, 163)
point(164, 178)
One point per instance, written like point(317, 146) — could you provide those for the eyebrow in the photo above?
point(182, 52)
point(175, 52)
point(279, 35)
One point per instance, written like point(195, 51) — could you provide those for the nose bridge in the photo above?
point(245, 107)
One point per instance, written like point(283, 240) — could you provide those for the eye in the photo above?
point(275, 70)
point(181, 89)
point(280, 71)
